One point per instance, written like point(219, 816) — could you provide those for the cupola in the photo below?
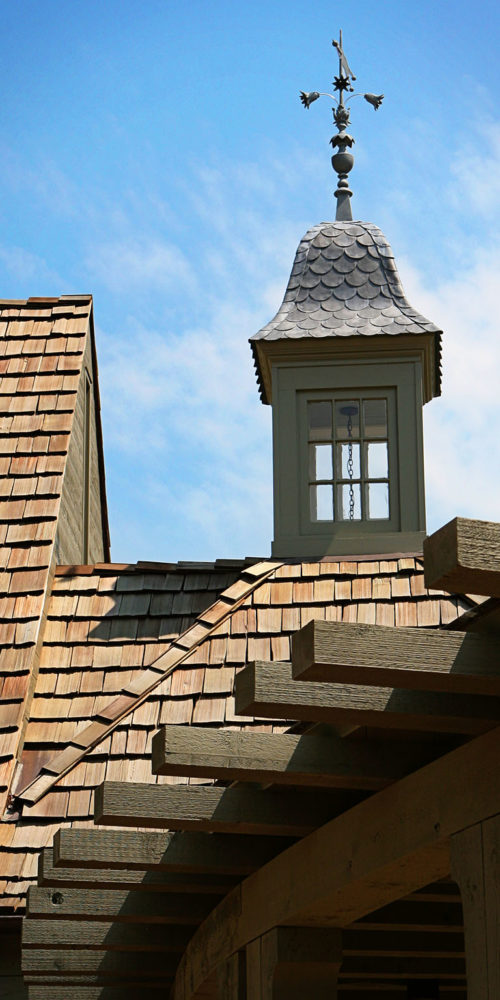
point(347, 365)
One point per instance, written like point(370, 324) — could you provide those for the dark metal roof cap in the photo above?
point(344, 283)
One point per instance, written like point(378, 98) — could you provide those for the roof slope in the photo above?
point(42, 342)
point(108, 624)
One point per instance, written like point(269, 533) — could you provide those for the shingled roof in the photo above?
point(127, 649)
point(344, 283)
point(42, 346)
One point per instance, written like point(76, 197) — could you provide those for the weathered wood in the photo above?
point(117, 966)
point(231, 978)
point(403, 968)
point(217, 854)
point(103, 935)
point(413, 944)
point(464, 557)
point(412, 658)
point(141, 907)
point(475, 864)
point(318, 761)
point(381, 850)
point(130, 879)
point(415, 916)
point(289, 963)
point(243, 810)
point(268, 690)
point(69, 992)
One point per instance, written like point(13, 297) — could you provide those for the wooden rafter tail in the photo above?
point(189, 852)
point(129, 879)
point(414, 659)
point(127, 907)
point(463, 557)
point(102, 935)
point(240, 810)
point(268, 690)
point(311, 760)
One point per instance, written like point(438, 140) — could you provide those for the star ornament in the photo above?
point(307, 99)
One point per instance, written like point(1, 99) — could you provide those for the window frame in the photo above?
point(295, 383)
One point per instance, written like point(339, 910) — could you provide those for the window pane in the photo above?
point(321, 498)
point(348, 460)
point(350, 502)
point(378, 501)
point(320, 421)
point(375, 417)
point(321, 461)
point(377, 463)
point(347, 419)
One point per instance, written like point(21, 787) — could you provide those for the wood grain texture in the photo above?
point(115, 966)
point(381, 850)
point(268, 690)
point(464, 557)
point(417, 659)
point(129, 879)
point(311, 760)
point(129, 907)
point(102, 935)
point(475, 864)
point(283, 812)
point(170, 852)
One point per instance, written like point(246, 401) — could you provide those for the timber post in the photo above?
point(475, 866)
point(294, 963)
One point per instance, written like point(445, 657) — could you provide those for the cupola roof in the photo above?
point(344, 283)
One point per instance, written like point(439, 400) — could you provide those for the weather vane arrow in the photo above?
point(342, 159)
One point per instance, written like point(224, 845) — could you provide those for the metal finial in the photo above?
point(342, 159)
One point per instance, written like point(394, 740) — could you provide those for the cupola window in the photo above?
point(348, 459)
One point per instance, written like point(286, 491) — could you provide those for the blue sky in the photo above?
point(156, 154)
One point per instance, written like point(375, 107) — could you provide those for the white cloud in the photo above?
point(130, 264)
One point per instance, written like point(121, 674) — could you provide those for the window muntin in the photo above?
point(348, 446)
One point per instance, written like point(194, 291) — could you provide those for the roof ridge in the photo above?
point(135, 693)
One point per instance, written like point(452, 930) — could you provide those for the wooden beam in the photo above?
point(268, 690)
point(102, 935)
point(402, 943)
point(245, 810)
point(217, 854)
point(231, 978)
point(131, 907)
point(129, 879)
point(475, 863)
point(393, 843)
point(294, 963)
point(324, 761)
point(414, 658)
point(412, 915)
point(464, 557)
point(404, 968)
point(118, 966)
point(71, 992)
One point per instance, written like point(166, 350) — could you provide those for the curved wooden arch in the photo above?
point(384, 848)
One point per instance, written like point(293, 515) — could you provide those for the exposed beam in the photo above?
point(217, 854)
point(403, 968)
point(340, 874)
point(71, 992)
point(464, 557)
point(102, 935)
point(246, 810)
point(324, 761)
point(387, 943)
point(417, 659)
point(118, 966)
point(130, 879)
point(103, 904)
point(268, 690)
point(415, 916)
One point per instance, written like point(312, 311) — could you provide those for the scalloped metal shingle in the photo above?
point(344, 283)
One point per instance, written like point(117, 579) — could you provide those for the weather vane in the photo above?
point(342, 160)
